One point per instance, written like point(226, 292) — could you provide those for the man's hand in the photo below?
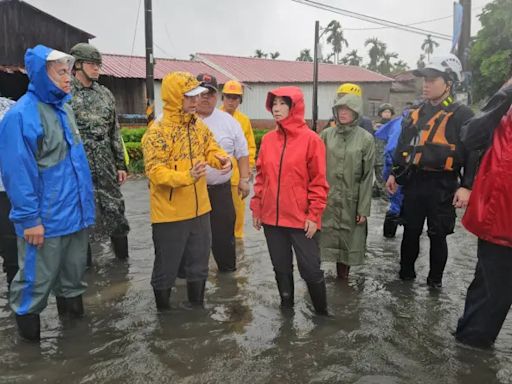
point(310, 228)
point(461, 198)
point(121, 176)
point(225, 162)
point(198, 170)
point(34, 235)
point(256, 223)
point(391, 185)
point(360, 219)
point(243, 188)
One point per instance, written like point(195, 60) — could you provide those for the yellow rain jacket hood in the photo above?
point(171, 147)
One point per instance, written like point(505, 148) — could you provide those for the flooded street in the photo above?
point(383, 330)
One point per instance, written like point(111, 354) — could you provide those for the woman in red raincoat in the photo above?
point(290, 194)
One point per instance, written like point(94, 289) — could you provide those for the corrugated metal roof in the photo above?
point(135, 67)
point(254, 70)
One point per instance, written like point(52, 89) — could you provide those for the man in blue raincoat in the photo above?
point(47, 179)
point(390, 132)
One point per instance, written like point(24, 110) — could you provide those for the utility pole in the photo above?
point(150, 62)
point(465, 37)
point(315, 78)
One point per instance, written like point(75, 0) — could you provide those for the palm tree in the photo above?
point(274, 55)
point(421, 61)
point(352, 58)
point(400, 66)
point(305, 55)
point(260, 54)
point(192, 57)
point(376, 52)
point(385, 66)
point(336, 39)
point(428, 46)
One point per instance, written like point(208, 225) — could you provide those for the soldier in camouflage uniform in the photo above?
point(386, 113)
point(94, 107)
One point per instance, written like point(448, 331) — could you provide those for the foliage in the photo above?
point(400, 66)
point(421, 62)
point(134, 150)
point(428, 46)
point(376, 52)
point(491, 52)
point(260, 54)
point(385, 66)
point(133, 135)
point(336, 39)
point(352, 58)
point(258, 135)
point(274, 55)
point(304, 55)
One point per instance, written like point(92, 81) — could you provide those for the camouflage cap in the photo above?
point(86, 52)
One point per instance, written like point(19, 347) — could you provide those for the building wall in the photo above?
point(130, 94)
point(256, 94)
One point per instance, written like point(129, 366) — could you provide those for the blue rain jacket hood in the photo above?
point(42, 159)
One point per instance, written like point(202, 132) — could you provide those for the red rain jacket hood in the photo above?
point(291, 184)
point(489, 213)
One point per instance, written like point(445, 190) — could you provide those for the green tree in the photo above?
point(274, 55)
point(421, 61)
point(305, 55)
point(386, 66)
point(260, 54)
point(491, 52)
point(352, 58)
point(400, 66)
point(376, 52)
point(336, 39)
point(428, 46)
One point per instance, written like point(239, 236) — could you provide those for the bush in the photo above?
point(136, 166)
point(134, 151)
point(133, 135)
point(258, 135)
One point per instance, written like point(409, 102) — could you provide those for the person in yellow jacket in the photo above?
point(176, 151)
point(232, 95)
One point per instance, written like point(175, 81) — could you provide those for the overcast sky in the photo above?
point(239, 27)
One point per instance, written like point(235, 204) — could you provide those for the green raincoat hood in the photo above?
point(353, 102)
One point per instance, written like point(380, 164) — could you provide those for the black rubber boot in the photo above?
point(286, 289)
point(162, 299)
point(120, 245)
point(75, 306)
point(342, 270)
point(89, 256)
point(62, 306)
point(318, 297)
point(195, 290)
point(390, 225)
point(29, 327)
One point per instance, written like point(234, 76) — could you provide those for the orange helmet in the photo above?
point(233, 87)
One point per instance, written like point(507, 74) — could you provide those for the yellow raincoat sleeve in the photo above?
point(156, 157)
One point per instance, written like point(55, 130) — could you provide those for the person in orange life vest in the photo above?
point(434, 167)
point(290, 195)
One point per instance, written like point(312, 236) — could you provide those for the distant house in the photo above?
point(405, 89)
point(125, 77)
point(23, 26)
point(262, 75)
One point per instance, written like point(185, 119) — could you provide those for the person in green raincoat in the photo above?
point(350, 152)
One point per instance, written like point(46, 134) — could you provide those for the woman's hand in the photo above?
point(256, 223)
point(360, 219)
point(310, 228)
point(391, 185)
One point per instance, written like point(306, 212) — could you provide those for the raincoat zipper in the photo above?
point(279, 176)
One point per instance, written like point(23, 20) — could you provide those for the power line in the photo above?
point(416, 23)
point(134, 36)
point(372, 19)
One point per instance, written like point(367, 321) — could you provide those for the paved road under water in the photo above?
point(384, 331)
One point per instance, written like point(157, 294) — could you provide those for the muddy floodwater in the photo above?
point(383, 330)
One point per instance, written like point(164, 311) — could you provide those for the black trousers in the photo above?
point(8, 245)
point(222, 219)
point(489, 296)
point(281, 240)
point(188, 241)
point(427, 195)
